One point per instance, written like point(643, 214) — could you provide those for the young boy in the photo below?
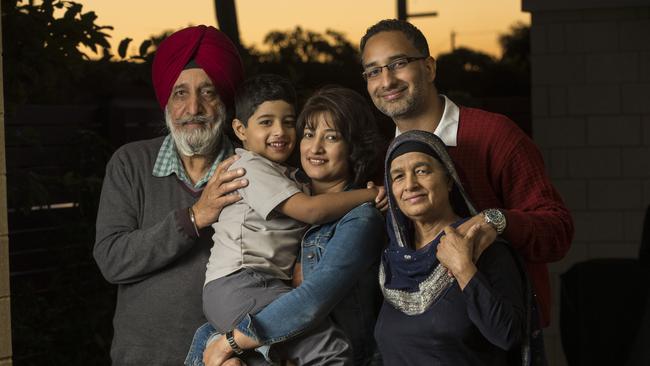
point(257, 239)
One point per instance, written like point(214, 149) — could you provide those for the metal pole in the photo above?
point(402, 13)
point(401, 10)
point(453, 40)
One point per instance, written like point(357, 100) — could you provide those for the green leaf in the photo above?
point(122, 48)
point(72, 11)
point(144, 46)
point(89, 17)
point(106, 53)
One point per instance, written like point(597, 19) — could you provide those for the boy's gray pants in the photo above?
point(228, 299)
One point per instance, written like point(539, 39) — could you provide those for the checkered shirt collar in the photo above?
point(168, 162)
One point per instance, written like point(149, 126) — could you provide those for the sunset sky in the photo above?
point(477, 23)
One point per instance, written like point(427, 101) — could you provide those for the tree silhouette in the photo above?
point(515, 46)
point(515, 60)
point(305, 46)
point(468, 73)
point(50, 44)
point(310, 59)
point(464, 71)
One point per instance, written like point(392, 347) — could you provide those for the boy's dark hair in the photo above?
point(259, 89)
point(351, 115)
point(411, 32)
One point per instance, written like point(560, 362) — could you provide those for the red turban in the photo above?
point(210, 49)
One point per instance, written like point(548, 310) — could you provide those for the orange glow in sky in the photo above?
point(477, 23)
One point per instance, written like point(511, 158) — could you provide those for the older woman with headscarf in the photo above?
point(440, 307)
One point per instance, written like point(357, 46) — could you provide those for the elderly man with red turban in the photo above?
point(160, 197)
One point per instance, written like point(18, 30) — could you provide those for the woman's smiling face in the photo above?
point(323, 151)
point(420, 185)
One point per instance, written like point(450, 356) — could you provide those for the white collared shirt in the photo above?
point(447, 129)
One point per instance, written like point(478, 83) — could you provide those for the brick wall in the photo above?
point(591, 119)
point(5, 314)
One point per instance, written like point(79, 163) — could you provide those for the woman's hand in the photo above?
point(456, 251)
point(217, 352)
point(381, 201)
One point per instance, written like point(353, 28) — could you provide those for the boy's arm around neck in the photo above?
point(325, 207)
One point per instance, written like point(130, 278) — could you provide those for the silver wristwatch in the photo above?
point(496, 219)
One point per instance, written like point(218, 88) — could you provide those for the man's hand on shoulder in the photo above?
point(219, 192)
point(484, 237)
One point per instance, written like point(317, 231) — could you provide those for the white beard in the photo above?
point(197, 141)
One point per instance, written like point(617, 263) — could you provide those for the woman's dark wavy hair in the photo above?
point(352, 116)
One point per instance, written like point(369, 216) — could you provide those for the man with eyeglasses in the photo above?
point(500, 167)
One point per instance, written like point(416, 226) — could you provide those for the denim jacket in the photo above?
point(339, 263)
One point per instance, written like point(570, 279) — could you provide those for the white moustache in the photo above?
point(199, 119)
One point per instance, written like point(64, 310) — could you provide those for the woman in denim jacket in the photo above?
point(340, 149)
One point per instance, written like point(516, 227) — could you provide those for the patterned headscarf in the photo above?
point(412, 280)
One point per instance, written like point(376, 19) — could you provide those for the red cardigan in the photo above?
point(500, 167)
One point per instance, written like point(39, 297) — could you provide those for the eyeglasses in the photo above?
point(398, 64)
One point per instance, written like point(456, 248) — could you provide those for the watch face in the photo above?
point(496, 219)
point(494, 215)
point(489, 214)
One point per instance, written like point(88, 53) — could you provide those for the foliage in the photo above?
point(300, 46)
point(146, 50)
point(41, 47)
point(515, 61)
point(468, 73)
point(516, 46)
point(464, 70)
point(309, 59)
point(51, 32)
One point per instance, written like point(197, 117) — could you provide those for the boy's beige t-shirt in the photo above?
point(249, 233)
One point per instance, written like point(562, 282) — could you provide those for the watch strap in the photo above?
point(230, 337)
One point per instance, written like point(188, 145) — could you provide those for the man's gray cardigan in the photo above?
point(146, 245)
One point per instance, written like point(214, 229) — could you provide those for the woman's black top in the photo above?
point(475, 326)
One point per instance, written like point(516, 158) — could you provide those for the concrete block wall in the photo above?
point(591, 119)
